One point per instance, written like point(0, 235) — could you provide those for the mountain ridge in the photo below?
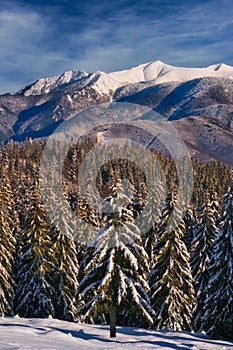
point(156, 70)
point(199, 101)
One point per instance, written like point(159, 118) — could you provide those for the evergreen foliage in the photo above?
point(100, 271)
point(218, 316)
point(116, 274)
point(172, 294)
point(202, 253)
point(7, 247)
point(64, 277)
point(33, 292)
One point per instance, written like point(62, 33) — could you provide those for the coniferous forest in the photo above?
point(180, 278)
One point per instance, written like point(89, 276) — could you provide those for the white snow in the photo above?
point(103, 83)
point(163, 73)
point(45, 85)
point(156, 72)
point(133, 75)
point(102, 136)
point(69, 98)
point(51, 334)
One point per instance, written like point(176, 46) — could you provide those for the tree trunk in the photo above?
point(112, 320)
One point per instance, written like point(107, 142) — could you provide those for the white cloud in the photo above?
point(21, 41)
point(20, 34)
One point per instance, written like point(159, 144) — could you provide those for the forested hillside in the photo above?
point(180, 278)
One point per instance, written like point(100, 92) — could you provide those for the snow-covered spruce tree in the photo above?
point(63, 275)
point(116, 275)
point(139, 200)
point(218, 309)
point(201, 255)
point(7, 247)
point(150, 217)
point(190, 222)
point(84, 252)
point(88, 213)
point(172, 293)
point(33, 292)
point(214, 203)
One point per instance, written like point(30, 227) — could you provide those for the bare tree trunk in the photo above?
point(112, 320)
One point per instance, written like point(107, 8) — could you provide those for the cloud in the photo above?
point(39, 38)
point(187, 34)
point(22, 37)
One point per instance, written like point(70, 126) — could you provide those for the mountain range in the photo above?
point(197, 101)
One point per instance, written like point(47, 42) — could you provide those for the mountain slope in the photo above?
point(206, 97)
point(163, 73)
point(46, 85)
point(157, 71)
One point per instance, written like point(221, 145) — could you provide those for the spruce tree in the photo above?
point(88, 213)
point(190, 222)
point(214, 200)
point(172, 294)
point(201, 255)
point(218, 309)
point(150, 218)
point(88, 225)
point(33, 292)
point(63, 276)
point(115, 277)
point(7, 248)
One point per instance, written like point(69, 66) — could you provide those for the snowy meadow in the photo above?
point(51, 334)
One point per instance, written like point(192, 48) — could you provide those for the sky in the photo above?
point(42, 38)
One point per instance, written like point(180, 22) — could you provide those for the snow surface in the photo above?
point(51, 334)
point(104, 84)
point(163, 73)
point(45, 85)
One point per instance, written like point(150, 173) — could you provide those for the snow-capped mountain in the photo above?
point(164, 73)
point(46, 85)
point(199, 101)
point(104, 83)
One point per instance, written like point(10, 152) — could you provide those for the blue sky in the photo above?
point(40, 38)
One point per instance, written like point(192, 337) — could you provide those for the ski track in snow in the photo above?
point(50, 334)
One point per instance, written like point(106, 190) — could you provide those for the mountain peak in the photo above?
point(156, 71)
point(46, 85)
point(221, 67)
point(161, 72)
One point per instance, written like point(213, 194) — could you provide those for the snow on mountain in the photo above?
point(103, 83)
point(133, 75)
point(100, 81)
point(221, 67)
point(50, 334)
point(45, 85)
point(164, 73)
point(207, 96)
point(107, 83)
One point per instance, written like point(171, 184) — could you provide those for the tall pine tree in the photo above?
point(116, 274)
point(172, 294)
point(201, 255)
point(7, 247)
point(63, 276)
point(33, 291)
point(218, 316)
